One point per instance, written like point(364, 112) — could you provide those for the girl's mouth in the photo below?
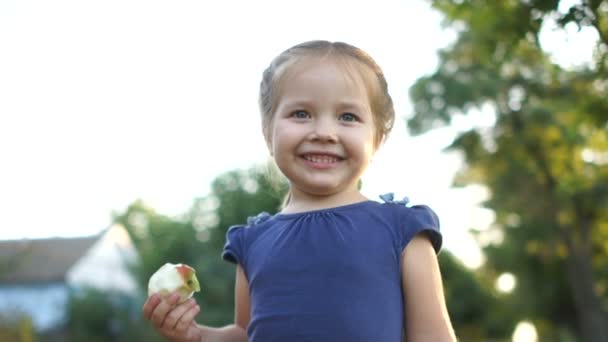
point(321, 161)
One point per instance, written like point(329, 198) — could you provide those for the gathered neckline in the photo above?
point(324, 210)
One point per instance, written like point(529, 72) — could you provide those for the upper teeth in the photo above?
point(321, 159)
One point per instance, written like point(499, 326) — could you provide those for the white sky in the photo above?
point(104, 102)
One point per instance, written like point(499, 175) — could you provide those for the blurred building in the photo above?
point(37, 276)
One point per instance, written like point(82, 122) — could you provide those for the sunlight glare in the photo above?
point(525, 332)
point(506, 282)
point(569, 47)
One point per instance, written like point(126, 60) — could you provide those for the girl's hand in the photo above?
point(172, 320)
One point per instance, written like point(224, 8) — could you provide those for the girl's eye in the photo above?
point(300, 114)
point(350, 117)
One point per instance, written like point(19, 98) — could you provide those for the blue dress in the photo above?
point(331, 274)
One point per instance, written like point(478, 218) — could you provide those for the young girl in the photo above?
point(332, 265)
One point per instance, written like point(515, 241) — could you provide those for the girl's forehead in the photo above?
point(348, 73)
point(344, 65)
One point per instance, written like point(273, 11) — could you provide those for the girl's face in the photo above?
point(322, 133)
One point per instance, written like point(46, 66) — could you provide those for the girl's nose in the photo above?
point(324, 131)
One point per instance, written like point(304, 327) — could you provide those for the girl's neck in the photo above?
point(301, 202)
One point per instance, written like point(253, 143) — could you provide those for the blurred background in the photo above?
point(130, 137)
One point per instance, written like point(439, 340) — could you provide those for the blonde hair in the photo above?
point(353, 60)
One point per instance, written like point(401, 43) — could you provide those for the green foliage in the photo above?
point(95, 315)
point(477, 312)
point(544, 160)
point(17, 327)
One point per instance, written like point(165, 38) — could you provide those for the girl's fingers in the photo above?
point(160, 312)
point(186, 320)
point(150, 305)
point(176, 314)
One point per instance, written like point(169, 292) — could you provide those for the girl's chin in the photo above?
point(327, 189)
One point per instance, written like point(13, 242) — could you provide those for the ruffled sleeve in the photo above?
point(413, 220)
point(233, 248)
point(421, 219)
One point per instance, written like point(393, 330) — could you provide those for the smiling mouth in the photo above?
point(322, 158)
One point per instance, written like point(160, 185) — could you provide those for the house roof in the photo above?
point(40, 260)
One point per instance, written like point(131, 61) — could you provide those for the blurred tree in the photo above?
point(545, 158)
point(476, 309)
point(96, 315)
point(16, 327)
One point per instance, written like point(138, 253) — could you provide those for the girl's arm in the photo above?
point(426, 313)
point(242, 309)
point(235, 332)
point(176, 322)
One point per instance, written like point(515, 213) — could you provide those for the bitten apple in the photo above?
point(174, 277)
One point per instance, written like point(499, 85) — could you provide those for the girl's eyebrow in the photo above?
point(298, 103)
point(341, 104)
point(354, 104)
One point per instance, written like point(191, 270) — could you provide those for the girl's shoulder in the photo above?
point(237, 237)
point(252, 222)
point(409, 220)
point(258, 219)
